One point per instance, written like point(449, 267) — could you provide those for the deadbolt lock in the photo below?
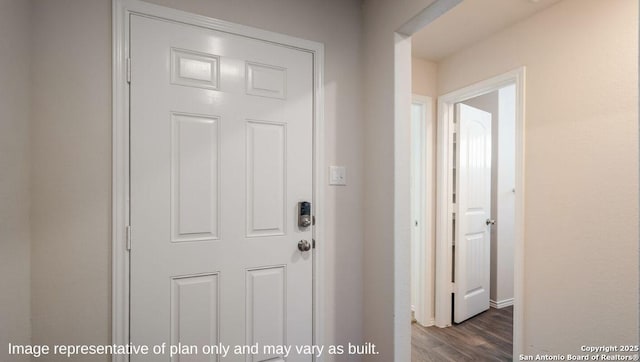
point(304, 214)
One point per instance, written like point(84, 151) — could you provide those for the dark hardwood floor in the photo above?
point(485, 337)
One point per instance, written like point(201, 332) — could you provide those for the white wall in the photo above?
point(72, 157)
point(581, 161)
point(14, 176)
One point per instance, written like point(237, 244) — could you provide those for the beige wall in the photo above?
point(71, 174)
point(424, 77)
point(72, 158)
point(14, 176)
point(581, 198)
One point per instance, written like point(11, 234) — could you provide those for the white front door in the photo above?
point(473, 197)
point(221, 155)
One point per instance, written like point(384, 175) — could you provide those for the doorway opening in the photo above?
point(454, 276)
point(479, 158)
point(478, 209)
point(463, 217)
point(498, 107)
point(478, 206)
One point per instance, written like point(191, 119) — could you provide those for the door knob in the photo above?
point(304, 245)
point(491, 222)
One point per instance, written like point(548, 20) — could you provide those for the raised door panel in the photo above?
point(266, 311)
point(266, 175)
point(194, 314)
point(194, 178)
point(266, 80)
point(194, 69)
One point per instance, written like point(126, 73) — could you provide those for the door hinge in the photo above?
point(453, 288)
point(128, 237)
point(129, 70)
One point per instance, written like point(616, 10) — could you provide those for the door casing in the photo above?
point(444, 207)
point(121, 11)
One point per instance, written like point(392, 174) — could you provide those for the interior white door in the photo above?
point(419, 197)
point(473, 197)
point(417, 200)
point(221, 154)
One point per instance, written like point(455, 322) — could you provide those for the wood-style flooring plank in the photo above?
point(485, 337)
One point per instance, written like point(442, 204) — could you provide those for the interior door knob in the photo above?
point(304, 245)
point(491, 221)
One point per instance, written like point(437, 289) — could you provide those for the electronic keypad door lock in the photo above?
point(304, 214)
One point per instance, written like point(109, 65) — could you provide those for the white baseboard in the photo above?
point(501, 303)
point(432, 322)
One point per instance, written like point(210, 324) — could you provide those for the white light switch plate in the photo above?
point(337, 175)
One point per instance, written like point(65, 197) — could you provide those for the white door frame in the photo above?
point(444, 207)
point(122, 9)
point(422, 277)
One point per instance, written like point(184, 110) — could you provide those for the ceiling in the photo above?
point(469, 22)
